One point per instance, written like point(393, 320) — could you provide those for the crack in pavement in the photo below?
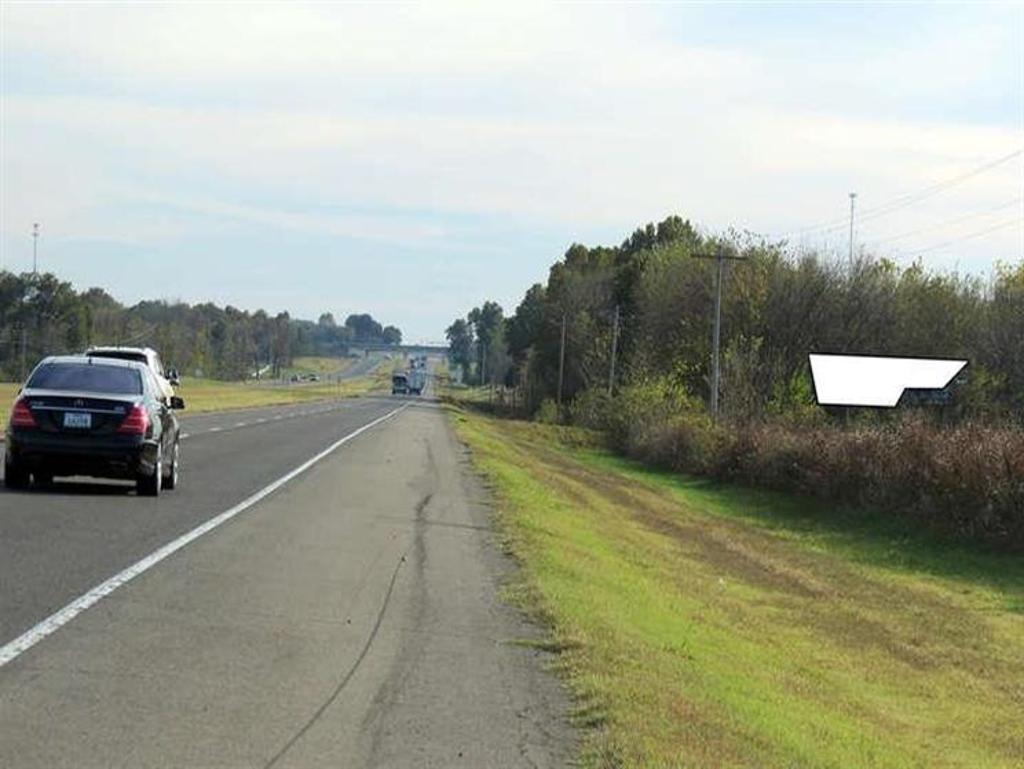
point(418, 545)
point(348, 676)
point(407, 658)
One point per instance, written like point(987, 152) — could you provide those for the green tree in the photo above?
point(460, 344)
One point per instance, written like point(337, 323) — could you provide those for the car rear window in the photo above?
point(87, 378)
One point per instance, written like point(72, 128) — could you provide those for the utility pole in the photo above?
point(28, 297)
point(24, 343)
point(853, 197)
point(615, 345)
point(561, 366)
point(720, 257)
point(35, 241)
point(716, 343)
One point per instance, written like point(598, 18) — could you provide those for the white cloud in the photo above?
point(229, 40)
point(575, 118)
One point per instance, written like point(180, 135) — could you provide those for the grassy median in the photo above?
point(705, 626)
point(212, 395)
point(320, 366)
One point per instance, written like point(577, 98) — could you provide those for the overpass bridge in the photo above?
point(428, 348)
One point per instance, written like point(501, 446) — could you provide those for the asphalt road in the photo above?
point(349, 618)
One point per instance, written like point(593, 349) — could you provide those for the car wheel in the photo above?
point(170, 480)
point(15, 476)
point(149, 485)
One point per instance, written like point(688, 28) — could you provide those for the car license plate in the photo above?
point(77, 419)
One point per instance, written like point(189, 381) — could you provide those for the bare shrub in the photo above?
point(965, 480)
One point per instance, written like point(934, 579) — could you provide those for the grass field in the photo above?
point(320, 366)
point(706, 626)
point(212, 395)
point(7, 392)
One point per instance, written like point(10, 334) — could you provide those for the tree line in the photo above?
point(955, 465)
point(42, 315)
point(651, 300)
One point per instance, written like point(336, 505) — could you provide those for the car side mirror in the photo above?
point(177, 404)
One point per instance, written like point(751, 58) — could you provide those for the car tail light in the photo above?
point(21, 415)
point(136, 422)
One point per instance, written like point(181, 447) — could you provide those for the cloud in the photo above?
point(393, 124)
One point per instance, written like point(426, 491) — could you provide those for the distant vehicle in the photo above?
point(104, 418)
point(417, 380)
point(314, 378)
point(399, 384)
point(167, 380)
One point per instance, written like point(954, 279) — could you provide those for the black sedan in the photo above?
point(99, 417)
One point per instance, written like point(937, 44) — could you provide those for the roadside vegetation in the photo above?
point(952, 461)
point(7, 393)
point(704, 625)
point(963, 478)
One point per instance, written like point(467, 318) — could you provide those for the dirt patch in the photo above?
point(855, 631)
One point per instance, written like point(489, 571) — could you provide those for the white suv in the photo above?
point(167, 380)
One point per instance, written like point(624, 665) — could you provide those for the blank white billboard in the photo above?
point(864, 380)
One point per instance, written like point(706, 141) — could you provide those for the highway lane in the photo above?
point(57, 543)
point(349, 619)
point(235, 419)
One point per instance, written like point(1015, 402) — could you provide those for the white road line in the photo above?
point(58, 619)
point(276, 418)
point(186, 435)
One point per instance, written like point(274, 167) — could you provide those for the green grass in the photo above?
point(319, 366)
point(212, 395)
point(704, 626)
point(7, 393)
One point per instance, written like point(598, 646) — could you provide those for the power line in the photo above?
point(150, 329)
point(935, 189)
point(910, 198)
point(957, 220)
point(969, 236)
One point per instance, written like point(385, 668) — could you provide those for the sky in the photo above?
point(413, 160)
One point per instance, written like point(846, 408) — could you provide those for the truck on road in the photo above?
point(408, 382)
